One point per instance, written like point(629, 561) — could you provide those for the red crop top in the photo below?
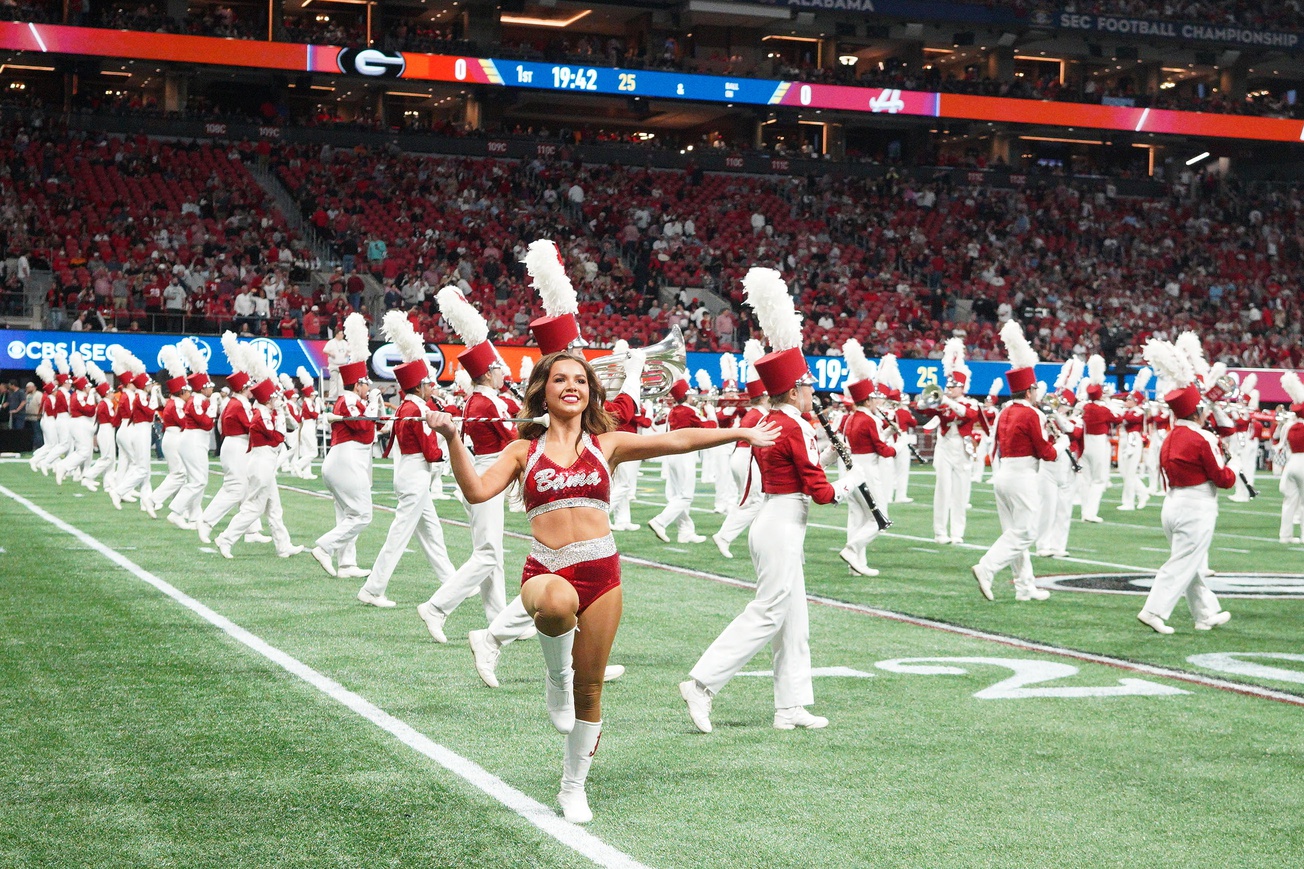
point(548, 486)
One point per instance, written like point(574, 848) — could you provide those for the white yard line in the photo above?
point(536, 813)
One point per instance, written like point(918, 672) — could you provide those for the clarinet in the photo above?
point(1220, 418)
point(844, 454)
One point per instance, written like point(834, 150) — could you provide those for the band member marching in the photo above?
point(681, 472)
point(309, 411)
point(572, 577)
point(1192, 462)
point(1291, 438)
point(134, 438)
point(45, 372)
point(956, 416)
point(106, 419)
point(290, 409)
point(1020, 442)
point(82, 399)
point(747, 476)
point(728, 416)
point(58, 438)
point(173, 414)
point(870, 451)
point(197, 425)
point(1132, 444)
point(625, 410)
point(791, 478)
point(1097, 418)
point(233, 420)
point(901, 425)
point(1057, 479)
point(984, 446)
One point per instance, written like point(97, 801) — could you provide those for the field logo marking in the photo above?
point(542, 817)
point(1286, 586)
point(1231, 663)
point(1027, 672)
point(817, 672)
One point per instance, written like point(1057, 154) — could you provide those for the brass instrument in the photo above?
point(666, 362)
point(1224, 389)
point(1051, 403)
point(930, 398)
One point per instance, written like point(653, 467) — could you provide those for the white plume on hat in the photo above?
point(78, 363)
point(548, 276)
point(194, 356)
point(768, 296)
point(235, 352)
point(527, 367)
point(1169, 363)
point(995, 389)
point(1096, 369)
point(889, 372)
point(287, 382)
point(1065, 372)
point(1251, 380)
point(1188, 344)
point(953, 356)
point(1291, 383)
point(466, 321)
point(1217, 372)
point(858, 367)
point(1074, 376)
point(137, 367)
point(355, 335)
point(1254, 399)
point(1142, 380)
point(728, 368)
point(1017, 348)
point(397, 329)
point(305, 377)
point(171, 359)
point(61, 360)
point(118, 360)
point(94, 373)
point(45, 371)
point(703, 378)
point(462, 381)
point(752, 351)
point(257, 367)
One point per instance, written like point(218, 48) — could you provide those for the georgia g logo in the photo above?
point(371, 62)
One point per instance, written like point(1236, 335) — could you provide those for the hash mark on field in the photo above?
point(673, 549)
point(210, 550)
point(922, 549)
point(1153, 549)
point(1229, 549)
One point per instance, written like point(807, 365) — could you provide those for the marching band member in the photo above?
point(1131, 444)
point(290, 452)
point(896, 476)
point(485, 426)
point(1020, 438)
point(106, 418)
point(625, 410)
point(309, 410)
point(134, 438)
point(745, 472)
point(81, 424)
point(347, 467)
point(791, 478)
point(417, 449)
point(726, 490)
point(1291, 437)
point(985, 446)
point(516, 498)
point(956, 416)
point(461, 391)
point(571, 582)
point(1159, 423)
point(681, 472)
point(197, 424)
point(125, 376)
point(1244, 446)
point(1192, 461)
point(263, 496)
point(173, 414)
point(870, 452)
point(1056, 479)
point(233, 420)
point(1097, 417)
point(59, 440)
point(45, 371)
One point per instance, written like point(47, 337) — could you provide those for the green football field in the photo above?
point(162, 706)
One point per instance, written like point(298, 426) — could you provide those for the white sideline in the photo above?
point(573, 837)
point(892, 615)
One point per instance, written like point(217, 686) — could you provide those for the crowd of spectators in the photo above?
point(143, 235)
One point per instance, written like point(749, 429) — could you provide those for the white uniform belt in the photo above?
point(787, 496)
point(1020, 463)
point(1205, 491)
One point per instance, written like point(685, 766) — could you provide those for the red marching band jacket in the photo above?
point(905, 420)
point(961, 423)
point(751, 419)
point(487, 438)
point(173, 413)
point(415, 438)
point(683, 416)
point(863, 435)
point(362, 431)
point(140, 409)
point(787, 466)
point(1295, 438)
point(262, 428)
point(1097, 418)
point(81, 406)
point(1020, 433)
point(235, 418)
point(106, 413)
point(1188, 458)
point(197, 414)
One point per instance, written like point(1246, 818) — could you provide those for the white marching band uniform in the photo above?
point(1055, 483)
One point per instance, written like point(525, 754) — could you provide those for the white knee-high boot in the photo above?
point(559, 679)
point(581, 745)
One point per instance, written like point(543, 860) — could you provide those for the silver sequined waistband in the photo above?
point(573, 553)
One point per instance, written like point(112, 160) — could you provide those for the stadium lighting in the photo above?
point(1197, 158)
point(529, 21)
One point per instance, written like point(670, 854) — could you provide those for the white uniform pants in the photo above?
point(1095, 471)
point(980, 458)
point(726, 489)
point(1155, 480)
point(47, 442)
point(122, 437)
point(176, 477)
point(1190, 514)
point(624, 484)
point(415, 515)
point(234, 456)
point(747, 478)
point(861, 526)
point(777, 615)
point(681, 485)
point(56, 438)
point(307, 448)
point(347, 473)
point(1129, 465)
point(106, 437)
point(1247, 450)
point(901, 470)
point(81, 440)
point(194, 460)
point(134, 441)
point(1018, 502)
point(1055, 483)
point(953, 466)
point(262, 498)
point(483, 571)
point(1291, 486)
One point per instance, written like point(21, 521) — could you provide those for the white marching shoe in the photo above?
point(856, 563)
point(559, 679)
point(1033, 593)
point(692, 538)
point(224, 548)
point(613, 672)
point(375, 599)
point(984, 578)
point(722, 545)
point(1148, 618)
point(434, 620)
point(581, 745)
point(324, 559)
point(180, 521)
point(205, 531)
point(658, 530)
point(698, 699)
point(257, 537)
point(352, 571)
point(797, 716)
point(293, 550)
point(485, 650)
point(1218, 618)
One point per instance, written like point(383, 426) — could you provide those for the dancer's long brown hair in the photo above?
point(595, 420)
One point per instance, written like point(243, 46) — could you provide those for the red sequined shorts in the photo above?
point(591, 566)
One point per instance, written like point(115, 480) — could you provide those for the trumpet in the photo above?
point(1051, 403)
point(930, 398)
point(666, 362)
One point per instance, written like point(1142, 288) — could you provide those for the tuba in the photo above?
point(666, 362)
point(930, 398)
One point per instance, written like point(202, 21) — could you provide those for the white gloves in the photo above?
point(848, 484)
point(633, 385)
point(955, 406)
point(1234, 463)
